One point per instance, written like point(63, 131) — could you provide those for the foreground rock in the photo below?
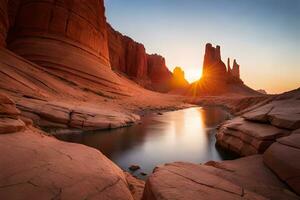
point(136, 186)
point(248, 138)
point(283, 158)
point(9, 116)
point(245, 178)
point(39, 167)
point(259, 127)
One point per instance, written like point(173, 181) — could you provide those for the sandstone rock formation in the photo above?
point(9, 116)
point(36, 166)
point(245, 178)
point(283, 158)
point(217, 79)
point(259, 127)
point(69, 83)
point(130, 57)
point(213, 66)
point(4, 24)
point(248, 138)
point(126, 55)
point(62, 36)
point(178, 80)
point(158, 73)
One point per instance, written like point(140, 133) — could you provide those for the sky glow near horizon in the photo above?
point(263, 35)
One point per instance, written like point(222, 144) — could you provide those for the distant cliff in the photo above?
point(130, 57)
point(217, 78)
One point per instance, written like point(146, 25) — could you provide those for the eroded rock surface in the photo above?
point(39, 167)
point(259, 127)
point(248, 138)
point(245, 178)
point(9, 116)
point(283, 158)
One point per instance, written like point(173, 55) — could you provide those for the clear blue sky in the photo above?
point(263, 35)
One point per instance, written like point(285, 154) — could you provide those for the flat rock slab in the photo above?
point(281, 113)
point(283, 157)
point(247, 137)
point(35, 166)
point(57, 114)
point(257, 130)
point(225, 180)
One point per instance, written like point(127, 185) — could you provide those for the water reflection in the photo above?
point(185, 135)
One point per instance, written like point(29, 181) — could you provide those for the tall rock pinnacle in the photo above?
point(235, 69)
point(213, 66)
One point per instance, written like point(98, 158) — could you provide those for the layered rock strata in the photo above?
point(158, 73)
point(259, 127)
point(62, 36)
point(130, 57)
point(10, 121)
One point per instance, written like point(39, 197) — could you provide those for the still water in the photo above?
point(184, 135)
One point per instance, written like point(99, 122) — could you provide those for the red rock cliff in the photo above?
point(3, 22)
point(65, 35)
point(126, 55)
point(158, 73)
point(130, 58)
point(213, 66)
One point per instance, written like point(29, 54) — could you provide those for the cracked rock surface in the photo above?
point(245, 178)
point(36, 166)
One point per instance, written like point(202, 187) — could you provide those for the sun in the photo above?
point(192, 75)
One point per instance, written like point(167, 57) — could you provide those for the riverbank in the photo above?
point(267, 134)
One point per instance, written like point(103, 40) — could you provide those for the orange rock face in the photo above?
point(130, 58)
point(158, 73)
point(3, 22)
point(61, 35)
point(126, 55)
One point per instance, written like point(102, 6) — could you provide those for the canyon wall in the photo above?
point(130, 57)
point(3, 22)
point(126, 55)
point(60, 35)
point(158, 73)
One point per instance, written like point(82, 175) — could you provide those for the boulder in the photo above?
point(224, 180)
point(35, 166)
point(283, 158)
